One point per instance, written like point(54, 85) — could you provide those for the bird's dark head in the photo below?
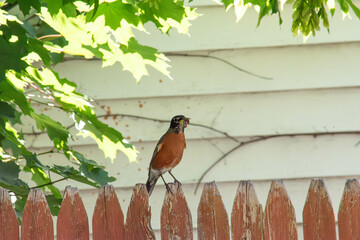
point(179, 122)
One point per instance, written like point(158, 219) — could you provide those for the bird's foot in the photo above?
point(178, 184)
point(169, 189)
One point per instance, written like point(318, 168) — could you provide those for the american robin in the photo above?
point(168, 152)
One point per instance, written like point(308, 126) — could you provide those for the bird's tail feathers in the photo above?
point(150, 183)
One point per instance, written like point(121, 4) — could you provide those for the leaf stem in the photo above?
point(50, 36)
point(49, 183)
point(42, 91)
point(44, 103)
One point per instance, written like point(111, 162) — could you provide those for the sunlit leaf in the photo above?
point(54, 129)
point(116, 11)
point(38, 47)
point(354, 8)
point(167, 14)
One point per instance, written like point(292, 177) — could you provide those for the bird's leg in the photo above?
point(176, 181)
point(166, 185)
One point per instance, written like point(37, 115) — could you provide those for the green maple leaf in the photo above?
point(56, 132)
point(167, 14)
point(9, 178)
point(71, 173)
point(92, 170)
point(115, 12)
point(6, 110)
point(13, 47)
point(9, 93)
point(38, 47)
point(25, 5)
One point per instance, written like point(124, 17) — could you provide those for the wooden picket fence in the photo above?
point(248, 221)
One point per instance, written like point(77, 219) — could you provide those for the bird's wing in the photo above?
point(157, 149)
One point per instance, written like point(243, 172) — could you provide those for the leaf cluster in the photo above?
point(307, 14)
point(30, 44)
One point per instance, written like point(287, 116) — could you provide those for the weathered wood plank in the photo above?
point(37, 221)
point(349, 211)
point(9, 226)
point(247, 214)
point(280, 220)
point(213, 222)
point(318, 213)
point(108, 218)
point(72, 221)
point(138, 224)
point(176, 222)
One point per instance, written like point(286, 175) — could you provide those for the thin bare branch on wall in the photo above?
point(239, 144)
point(224, 61)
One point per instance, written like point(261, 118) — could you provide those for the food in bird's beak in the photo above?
point(186, 121)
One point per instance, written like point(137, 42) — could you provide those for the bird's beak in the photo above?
point(185, 122)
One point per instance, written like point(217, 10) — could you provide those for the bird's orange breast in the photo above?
point(170, 152)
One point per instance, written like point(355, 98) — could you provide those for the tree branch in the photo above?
point(42, 91)
point(167, 121)
point(263, 138)
point(44, 103)
point(49, 183)
point(21, 157)
point(148, 119)
point(193, 55)
point(221, 60)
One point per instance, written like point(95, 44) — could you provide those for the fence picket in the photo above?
point(349, 211)
point(247, 218)
point(213, 222)
point(318, 213)
point(9, 226)
point(176, 222)
point(72, 221)
point(37, 222)
point(108, 218)
point(280, 220)
point(247, 214)
point(138, 225)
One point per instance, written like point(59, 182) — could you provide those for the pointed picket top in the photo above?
point(108, 218)
point(247, 214)
point(213, 222)
point(280, 220)
point(318, 213)
point(176, 222)
point(349, 211)
point(37, 221)
point(72, 221)
point(138, 218)
point(9, 226)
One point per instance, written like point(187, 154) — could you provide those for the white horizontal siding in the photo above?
point(287, 158)
point(314, 88)
point(291, 68)
point(268, 113)
point(216, 29)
